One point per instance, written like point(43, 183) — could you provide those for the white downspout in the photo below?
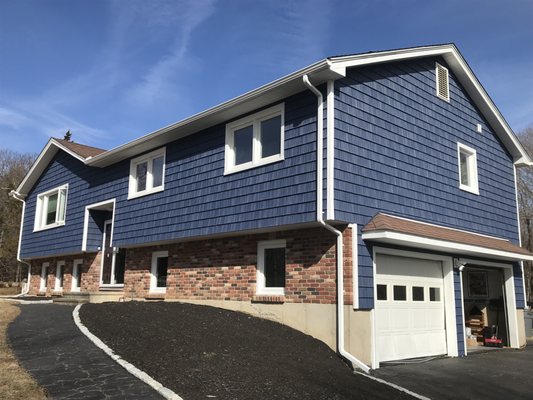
point(356, 363)
point(20, 198)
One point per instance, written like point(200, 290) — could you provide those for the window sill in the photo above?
point(469, 189)
point(45, 228)
point(145, 192)
point(266, 298)
point(243, 167)
point(155, 295)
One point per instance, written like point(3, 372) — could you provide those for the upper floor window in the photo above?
point(271, 267)
point(443, 84)
point(467, 168)
point(51, 208)
point(255, 140)
point(147, 174)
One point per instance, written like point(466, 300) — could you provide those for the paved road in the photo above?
point(67, 364)
point(502, 374)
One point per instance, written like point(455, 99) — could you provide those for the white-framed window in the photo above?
point(147, 173)
point(442, 82)
point(158, 276)
point(44, 277)
point(60, 275)
point(271, 267)
point(467, 161)
point(255, 140)
point(51, 208)
point(76, 275)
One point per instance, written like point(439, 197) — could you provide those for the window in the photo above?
point(382, 292)
point(399, 293)
point(158, 280)
point(418, 293)
point(147, 174)
point(271, 267)
point(76, 275)
point(434, 294)
point(51, 208)
point(60, 273)
point(467, 168)
point(442, 82)
point(255, 140)
point(44, 277)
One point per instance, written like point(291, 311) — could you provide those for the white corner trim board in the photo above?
point(132, 369)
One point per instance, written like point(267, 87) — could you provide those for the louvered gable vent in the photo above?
point(443, 86)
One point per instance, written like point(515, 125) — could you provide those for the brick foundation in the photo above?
point(222, 269)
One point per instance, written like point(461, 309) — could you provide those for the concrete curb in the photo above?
point(132, 369)
point(393, 385)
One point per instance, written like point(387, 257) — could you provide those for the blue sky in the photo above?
point(111, 71)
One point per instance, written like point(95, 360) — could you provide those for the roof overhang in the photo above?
point(40, 164)
point(328, 69)
point(399, 231)
point(414, 241)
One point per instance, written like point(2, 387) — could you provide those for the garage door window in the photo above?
point(382, 292)
point(418, 293)
point(434, 294)
point(400, 293)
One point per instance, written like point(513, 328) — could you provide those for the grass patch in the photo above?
point(9, 291)
point(15, 382)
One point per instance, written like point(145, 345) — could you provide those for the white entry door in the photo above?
point(410, 318)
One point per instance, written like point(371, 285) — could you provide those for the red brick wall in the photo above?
point(223, 269)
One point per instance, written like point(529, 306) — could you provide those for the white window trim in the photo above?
point(153, 272)
point(255, 120)
point(472, 168)
point(43, 283)
point(76, 274)
point(261, 280)
point(40, 209)
point(60, 268)
point(148, 158)
point(437, 66)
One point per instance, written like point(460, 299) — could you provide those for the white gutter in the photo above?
point(20, 198)
point(356, 363)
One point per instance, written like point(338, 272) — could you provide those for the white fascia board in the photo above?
point(252, 100)
point(39, 165)
point(404, 239)
point(466, 77)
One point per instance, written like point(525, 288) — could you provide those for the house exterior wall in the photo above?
point(198, 199)
point(396, 152)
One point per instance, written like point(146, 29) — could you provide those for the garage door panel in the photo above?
point(414, 326)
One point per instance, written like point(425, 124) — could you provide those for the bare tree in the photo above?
point(525, 204)
point(13, 168)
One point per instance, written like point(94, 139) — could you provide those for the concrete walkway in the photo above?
point(63, 361)
point(495, 375)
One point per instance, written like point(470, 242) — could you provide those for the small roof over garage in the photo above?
point(395, 230)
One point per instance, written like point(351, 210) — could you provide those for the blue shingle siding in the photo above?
point(459, 312)
point(518, 286)
point(198, 199)
point(396, 152)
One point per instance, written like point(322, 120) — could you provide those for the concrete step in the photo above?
point(73, 298)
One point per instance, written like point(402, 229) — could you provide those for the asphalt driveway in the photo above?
point(64, 362)
point(498, 374)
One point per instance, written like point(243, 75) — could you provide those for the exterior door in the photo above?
point(107, 254)
point(410, 315)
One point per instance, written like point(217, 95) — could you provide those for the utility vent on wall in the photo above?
point(443, 86)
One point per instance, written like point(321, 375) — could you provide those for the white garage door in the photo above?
point(410, 319)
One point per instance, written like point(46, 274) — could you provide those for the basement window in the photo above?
point(60, 274)
point(44, 277)
point(159, 273)
point(51, 208)
point(467, 160)
point(147, 174)
point(271, 267)
point(442, 82)
point(255, 140)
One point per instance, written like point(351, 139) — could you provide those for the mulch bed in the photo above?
point(203, 352)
